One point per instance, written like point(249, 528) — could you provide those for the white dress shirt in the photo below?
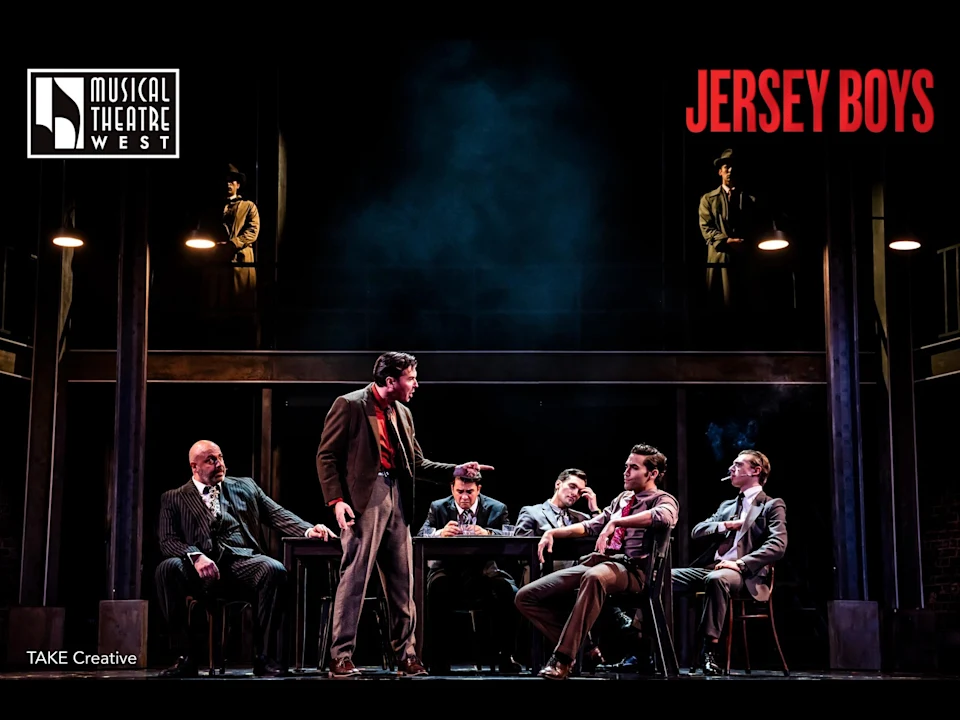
point(748, 495)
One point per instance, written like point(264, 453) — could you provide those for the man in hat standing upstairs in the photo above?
point(241, 220)
point(232, 284)
point(728, 218)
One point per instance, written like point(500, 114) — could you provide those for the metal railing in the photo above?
point(951, 296)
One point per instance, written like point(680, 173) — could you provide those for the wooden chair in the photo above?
point(217, 619)
point(737, 612)
point(650, 603)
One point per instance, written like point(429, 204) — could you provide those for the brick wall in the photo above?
point(941, 551)
point(9, 556)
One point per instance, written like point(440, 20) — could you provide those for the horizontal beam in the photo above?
point(938, 360)
point(16, 359)
point(525, 367)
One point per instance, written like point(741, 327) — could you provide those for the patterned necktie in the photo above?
point(564, 517)
point(211, 496)
point(732, 534)
point(466, 517)
point(616, 542)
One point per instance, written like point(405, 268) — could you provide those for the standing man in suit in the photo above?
point(209, 532)
point(747, 535)
point(368, 460)
point(469, 512)
point(727, 223)
point(617, 565)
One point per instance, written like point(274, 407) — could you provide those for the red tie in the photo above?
point(616, 542)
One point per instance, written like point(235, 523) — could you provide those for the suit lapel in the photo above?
point(752, 513)
point(483, 512)
point(370, 410)
point(195, 505)
point(453, 512)
point(550, 515)
point(403, 435)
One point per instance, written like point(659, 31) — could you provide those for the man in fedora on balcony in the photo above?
point(727, 223)
point(232, 284)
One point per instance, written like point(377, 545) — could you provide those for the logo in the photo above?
point(110, 114)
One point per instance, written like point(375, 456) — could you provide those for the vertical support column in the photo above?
point(909, 628)
point(853, 621)
point(886, 495)
point(267, 476)
point(123, 615)
point(271, 187)
point(37, 623)
point(680, 551)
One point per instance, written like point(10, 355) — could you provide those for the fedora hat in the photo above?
point(234, 174)
point(725, 157)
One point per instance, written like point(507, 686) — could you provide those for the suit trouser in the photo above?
point(449, 588)
point(240, 576)
point(547, 602)
point(380, 536)
point(717, 585)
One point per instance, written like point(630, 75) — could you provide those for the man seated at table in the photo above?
point(468, 582)
point(617, 566)
point(208, 532)
point(557, 512)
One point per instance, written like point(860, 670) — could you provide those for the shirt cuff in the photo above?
point(307, 532)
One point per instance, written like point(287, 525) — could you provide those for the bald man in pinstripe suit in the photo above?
point(209, 530)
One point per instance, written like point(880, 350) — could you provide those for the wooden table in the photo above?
point(295, 550)
point(489, 547)
point(485, 547)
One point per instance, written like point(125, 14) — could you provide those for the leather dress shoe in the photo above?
point(264, 666)
point(184, 667)
point(709, 664)
point(630, 664)
point(411, 666)
point(508, 665)
point(343, 667)
point(556, 670)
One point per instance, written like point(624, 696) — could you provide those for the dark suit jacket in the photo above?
point(535, 520)
point(491, 514)
point(348, 459)
point(764, 540)
point(184, 526)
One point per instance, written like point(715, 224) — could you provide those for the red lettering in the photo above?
point(790, 99)
point(923, 79)
point(717, 99)
point(817, 91)
point(850, 88)
point(700, 125)
point(875, 101)
point(743, 100)
point(769, 123)
point(899, 92)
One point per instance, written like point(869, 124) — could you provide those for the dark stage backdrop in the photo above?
point(479, 195)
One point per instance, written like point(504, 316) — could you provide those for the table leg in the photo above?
point(536, 640)
point(418, 601)
point(301, 613)
point(288, 632)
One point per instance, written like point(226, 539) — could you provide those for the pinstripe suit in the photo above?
point(187, 526)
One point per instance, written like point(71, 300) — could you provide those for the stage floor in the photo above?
point(460, 673)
